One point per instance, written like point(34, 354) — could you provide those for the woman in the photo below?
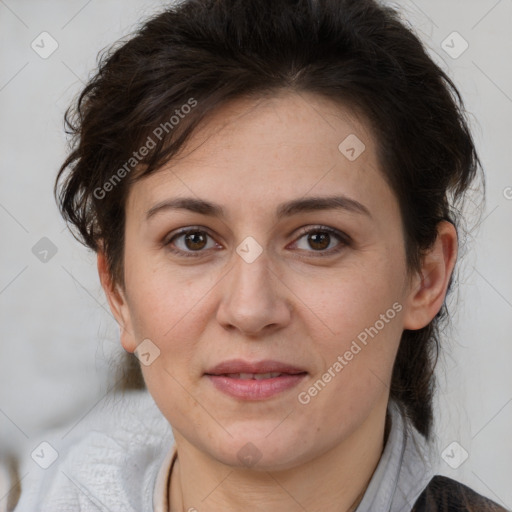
point(271, 188)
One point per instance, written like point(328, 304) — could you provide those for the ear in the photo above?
point(429, 288)
point(118, 304)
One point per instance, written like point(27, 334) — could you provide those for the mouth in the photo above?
point(254, 380)
point(255, 376)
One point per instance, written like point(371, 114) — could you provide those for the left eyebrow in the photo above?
point(287, 209)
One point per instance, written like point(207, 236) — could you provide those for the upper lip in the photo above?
point(241, 366)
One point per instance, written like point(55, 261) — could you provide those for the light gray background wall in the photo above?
point(58, 339)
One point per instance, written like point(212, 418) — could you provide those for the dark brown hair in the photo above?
point(196, 55)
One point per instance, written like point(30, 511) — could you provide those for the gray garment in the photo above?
point(403, 471)
point(110, 461)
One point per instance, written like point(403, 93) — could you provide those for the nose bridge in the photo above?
point(251, 274)
point(252, 296)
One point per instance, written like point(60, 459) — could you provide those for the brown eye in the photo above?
point(195, 240)
point(189, 241)
point(320, 238)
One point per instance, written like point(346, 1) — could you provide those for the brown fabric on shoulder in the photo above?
point(444, 494)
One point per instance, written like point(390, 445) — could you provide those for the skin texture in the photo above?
point(289, 304)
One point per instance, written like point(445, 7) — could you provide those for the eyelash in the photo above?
point(342, 237)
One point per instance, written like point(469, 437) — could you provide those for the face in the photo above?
point(265, 275)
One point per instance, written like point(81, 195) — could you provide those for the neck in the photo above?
point(334, 481)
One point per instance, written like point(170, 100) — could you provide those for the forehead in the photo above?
point(269, 150)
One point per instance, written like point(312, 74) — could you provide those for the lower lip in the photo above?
point(252, 389)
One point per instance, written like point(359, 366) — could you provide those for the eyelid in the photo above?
point(342, 237)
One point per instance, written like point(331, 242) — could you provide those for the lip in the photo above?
point(252, 389)
point(242, 366)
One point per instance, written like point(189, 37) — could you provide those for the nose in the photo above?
point(255, 300)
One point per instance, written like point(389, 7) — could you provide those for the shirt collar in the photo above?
point(161, 489)
point(404, 468)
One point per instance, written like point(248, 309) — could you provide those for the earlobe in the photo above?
point(117, 303)
point(428, 292)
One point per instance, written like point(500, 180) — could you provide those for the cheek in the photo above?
point(356, 368)
point(171, 309)
point(362, 310)
point(164, 297)
point(354, 299)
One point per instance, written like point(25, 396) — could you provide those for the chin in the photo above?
point(255, 449)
